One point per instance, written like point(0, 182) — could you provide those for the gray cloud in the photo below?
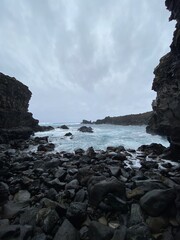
point(84, 59)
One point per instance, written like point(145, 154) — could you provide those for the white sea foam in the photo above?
point(103, 136)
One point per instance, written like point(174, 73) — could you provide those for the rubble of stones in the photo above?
point(87, 195)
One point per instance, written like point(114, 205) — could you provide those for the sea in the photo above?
point(104, 135)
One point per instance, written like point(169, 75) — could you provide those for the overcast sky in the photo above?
point(84, 59)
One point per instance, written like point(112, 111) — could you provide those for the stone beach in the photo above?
point(114, 194)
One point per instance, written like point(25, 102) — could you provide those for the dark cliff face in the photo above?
point(15, 120)
point(166, 107)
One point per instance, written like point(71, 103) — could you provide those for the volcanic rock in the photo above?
point(98, 231)
point(85, 129)
point(67, 231)
point(99, 187)
point(157, 201)
point(63, 127)
point(166, 114)
point(15, 120)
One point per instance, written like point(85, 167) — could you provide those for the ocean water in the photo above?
point(104, 135)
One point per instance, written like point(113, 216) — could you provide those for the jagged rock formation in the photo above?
point(166, 107)
point(15, 120)
point(133, 119)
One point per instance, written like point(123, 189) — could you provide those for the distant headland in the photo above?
point(132, 119)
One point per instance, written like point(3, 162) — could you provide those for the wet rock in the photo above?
point(120, 157)
point(154, 148)
point(149, 165)
point(76, 213)
point(67, 231)
point(90, 152)
point(155, 202)
point(45, 128)
point(63, 127)
point(41, 140)
point(98, 189)
point(85, 129)
point(98, 231)
point(79, 151)
point(46, 148)
point(69, 134)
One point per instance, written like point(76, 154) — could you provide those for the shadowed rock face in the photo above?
point(166, 107)
point(15, 120)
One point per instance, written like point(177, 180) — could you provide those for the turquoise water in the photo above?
point(104, 135)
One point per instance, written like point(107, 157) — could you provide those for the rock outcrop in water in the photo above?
point(133, 119)
point(15, 120)
point(166, 107)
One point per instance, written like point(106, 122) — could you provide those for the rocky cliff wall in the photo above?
point(166, 107)
point(15, 120)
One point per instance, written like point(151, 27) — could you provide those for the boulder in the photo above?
point(157, 201)
point(99, 187)
point(76, 213)
point(153, 148)
point(69, 134)
point(46, 147)
point(63, 127)
point(86, 129)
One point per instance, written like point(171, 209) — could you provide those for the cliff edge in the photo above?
point(166, 108)
point(15, 120)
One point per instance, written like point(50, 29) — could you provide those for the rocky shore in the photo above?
point(117, 194)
